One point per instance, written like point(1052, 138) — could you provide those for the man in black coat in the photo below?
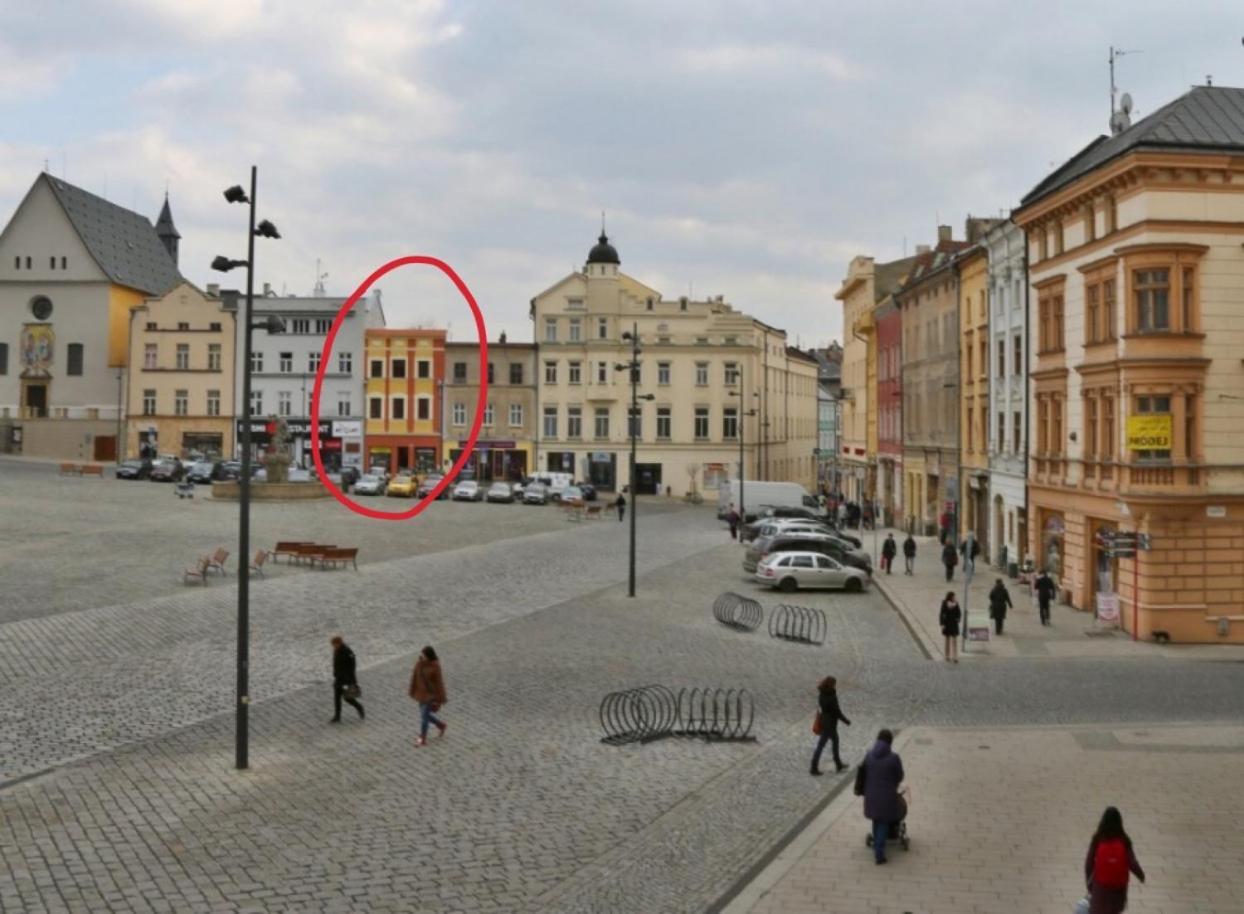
point(889, 549)
point(909, 553)
point(999, 602)
point(1046, 589)
point(620, 504)
point(831, 713)
point(883, 773)
point(344, 675)
point(950, 559)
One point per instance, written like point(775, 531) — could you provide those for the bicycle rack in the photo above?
point(738, 612)
point(651, 712)
point(798, 623)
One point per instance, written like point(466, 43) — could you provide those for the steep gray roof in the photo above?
point(1204, 119)
point(123, 242)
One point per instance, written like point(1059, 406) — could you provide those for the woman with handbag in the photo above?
point(345, 680)
point(826, 724)
point(427, 687)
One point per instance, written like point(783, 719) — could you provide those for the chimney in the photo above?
point(922, 249)
point(944, 233)
point(267, 290)
point(213, 289)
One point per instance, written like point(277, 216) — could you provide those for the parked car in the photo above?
point(381, 471)
point(797, 541)
point(794, 570)
point(500, 492)
point(588, 490)
point(166, 469)
point(349, 476)
point(518, 488)
point(205, 471)
point(776, 524)
point(536, 493)
point(401, 486)
point(795, 517)
point(369, 484)
point(571, 495)
point(430, 482)
point(134, 469)
point(468, 490)
point(231, 469)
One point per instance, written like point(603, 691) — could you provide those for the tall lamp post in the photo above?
point(273, 324)
point(743, 413)
point(633, 427)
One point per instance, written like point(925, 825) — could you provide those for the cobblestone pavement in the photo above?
point(519, 807)
point(1000, 820)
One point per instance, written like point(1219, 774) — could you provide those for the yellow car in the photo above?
point(402, 486)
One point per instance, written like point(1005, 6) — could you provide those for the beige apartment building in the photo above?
point(866, 285)
point(974, 400)
point(716, 384)
point(506, 446)
point(180, 376)
point(1136, 267)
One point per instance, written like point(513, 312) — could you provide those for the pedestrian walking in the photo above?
point(909, 554)
point(828, 714)
point(732, 518)
point(345, 680)
point(883, 773)
point(950, 558)
point(889, 549)
point(948, 618)
point(1107, 865)
point(970, 548)
point(1046, 589)
point(427, 687)
point(620, 504)
point(999, 602)
point(842, 513)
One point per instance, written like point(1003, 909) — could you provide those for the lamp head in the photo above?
point(627, 335)
point(274, 324)
point(266, 229)
point(235, 194)
point(222, 264)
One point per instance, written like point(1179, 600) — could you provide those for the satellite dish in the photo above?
point(1125, 103)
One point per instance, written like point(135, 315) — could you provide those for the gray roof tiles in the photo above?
point(1204, 119)
point(124, 243)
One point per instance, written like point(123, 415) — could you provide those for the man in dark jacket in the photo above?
point(883, 772)
point(344, 675)
point(999, 601)
point(889, 549)
point(831, 713)
point(950, 558)
point(1045, 593)
point(909, 553)
point(620, 504)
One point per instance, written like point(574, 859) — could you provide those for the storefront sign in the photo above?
point(1215, 510)
point(978, 627)
point(1108, 607)
point(1149, 432)
point(483, 445)
point(347, 428)
point(299, 428)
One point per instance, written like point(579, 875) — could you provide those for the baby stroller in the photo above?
point(898, 830)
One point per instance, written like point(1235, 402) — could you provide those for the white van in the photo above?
point(556, 483)
point(759, 493)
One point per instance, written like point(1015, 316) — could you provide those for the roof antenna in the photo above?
point(1120, 118)
point(318, 290)
point(602, 223)
point(1209, 79)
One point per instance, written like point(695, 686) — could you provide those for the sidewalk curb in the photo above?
point(771, 868)
point(929, 650)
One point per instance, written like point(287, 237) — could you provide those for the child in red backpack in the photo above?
point(1110, 859)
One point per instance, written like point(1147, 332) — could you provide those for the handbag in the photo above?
point(816, 724)
point(351, 692)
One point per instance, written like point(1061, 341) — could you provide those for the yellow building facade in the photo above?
point(180, 375)
point(1136, 273)
point(974, 395)
point(404, 429)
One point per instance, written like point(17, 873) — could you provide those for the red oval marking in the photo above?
point(479, 405)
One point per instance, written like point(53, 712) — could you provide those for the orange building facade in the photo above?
point(1136, 268)
point(405, 373)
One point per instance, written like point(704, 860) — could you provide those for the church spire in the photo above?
point(166, 231)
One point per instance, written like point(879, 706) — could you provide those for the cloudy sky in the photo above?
point(743, 149)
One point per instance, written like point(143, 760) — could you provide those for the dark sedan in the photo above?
point(134, 469)
point(588, 490)
point(205, 471)
point(167, 469)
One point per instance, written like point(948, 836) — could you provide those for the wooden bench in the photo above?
point(217, 560)
point(310, 551)
point(337, 555)
point(573, 512)
point(261, 559)
point(198, 571)
point(288, 548)
point(92, 469)
point(71, 469)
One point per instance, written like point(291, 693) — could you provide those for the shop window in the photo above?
point(1153, 406)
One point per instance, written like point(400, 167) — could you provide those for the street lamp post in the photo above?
point(273, 324)
point(743, 413)
point(633, 367)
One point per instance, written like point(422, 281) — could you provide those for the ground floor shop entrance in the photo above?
point(648, 478)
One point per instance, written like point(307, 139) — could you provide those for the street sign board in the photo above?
point(1108, 607)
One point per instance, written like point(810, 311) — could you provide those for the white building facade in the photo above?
point(283, 371)
point(1008, 393)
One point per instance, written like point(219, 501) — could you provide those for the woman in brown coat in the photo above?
point(428, 688)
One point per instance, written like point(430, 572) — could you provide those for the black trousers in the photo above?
point(997, 624)
point(1044, 606)
point(621, 511)
point(950, 572)
point(828, 735)
point(338, 689)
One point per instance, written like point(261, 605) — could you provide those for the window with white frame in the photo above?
point(213, 403)
point(663, 423)
point(574, 421)
point(345, 362)
point(284, 403)
point(602, 372)
point(377, 368)
point(323, 325)
point(574, 372)
point(375, 408)
point(602, 328)
point(149, 402)
point(256, 402)
point(213, 356)
point(423, 407)
point(550, 372)
point(423, 368)
point(300, 325)
point(701, 423)
point(602, 422)
point(731, 374)
point(576, 330)
point(183, 356)
point(398, 367)
point(550, 421)
point(344, 404)
point(399, 407)
point(286, 362)
point(488, 414)
point(663, 373)
point(150, 355)
point(459, 414)
point(516, 415)
point(730, 422)
point(550, 330)
point(313, 362)
point(701, 374)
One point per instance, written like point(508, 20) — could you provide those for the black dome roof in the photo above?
point(603, 251)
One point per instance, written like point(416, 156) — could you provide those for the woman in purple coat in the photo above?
point(883, 772)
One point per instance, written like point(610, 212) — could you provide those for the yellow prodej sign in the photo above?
point(1149, 432)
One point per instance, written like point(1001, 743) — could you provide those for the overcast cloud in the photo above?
point(742, 149)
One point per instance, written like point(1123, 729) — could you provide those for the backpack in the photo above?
point(1110, 864)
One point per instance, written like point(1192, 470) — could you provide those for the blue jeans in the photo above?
point(427, 716)
point(881, 831)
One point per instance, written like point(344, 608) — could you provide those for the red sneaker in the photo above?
point(441, 728)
